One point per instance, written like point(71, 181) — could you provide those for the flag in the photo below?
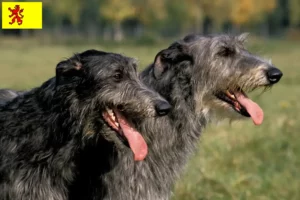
point(22, 15)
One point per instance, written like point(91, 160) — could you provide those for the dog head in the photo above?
point(107, 84)
point(216, 71)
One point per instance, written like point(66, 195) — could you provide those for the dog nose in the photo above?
point(162, 108)
point(274, 75)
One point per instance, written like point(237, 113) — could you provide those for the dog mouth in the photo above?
point(242, 104)
point(122, 126)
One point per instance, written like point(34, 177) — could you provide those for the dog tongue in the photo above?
point(134, 138)
point(252, 108)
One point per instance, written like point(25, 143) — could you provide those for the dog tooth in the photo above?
point(110, 112)
point(228, 93)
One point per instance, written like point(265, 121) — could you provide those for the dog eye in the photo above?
point(118, 76)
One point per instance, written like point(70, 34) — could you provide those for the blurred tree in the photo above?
point(278, 19)
point(68, 8)
point(216, 13)
point(65, 15)
point(149, 10)
point(195, 13)
point(207, 15)
point(90, 19)
point(294, 7)
point(117, 11)
point(241, 11)
point(180, 17)
point(250, 11)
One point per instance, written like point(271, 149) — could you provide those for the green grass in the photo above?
point(234, 161)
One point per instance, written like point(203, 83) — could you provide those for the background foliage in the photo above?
point(125, 19)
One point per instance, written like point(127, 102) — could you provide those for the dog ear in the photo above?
point(159, 66)
point(70, 68)
point(175, 54)
point(243, 37)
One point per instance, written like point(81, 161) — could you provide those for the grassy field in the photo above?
point(234, 161)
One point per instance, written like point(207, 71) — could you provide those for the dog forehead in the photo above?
point(95, 55)
point(124, 62)
point(191, 38)
point(92, 52)
point(118, 59)
point(111, 64)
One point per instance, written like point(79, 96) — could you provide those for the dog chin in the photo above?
point(219, 113)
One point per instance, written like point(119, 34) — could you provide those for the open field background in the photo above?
point(236, 161)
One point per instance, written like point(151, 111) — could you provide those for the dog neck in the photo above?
point(171, 141)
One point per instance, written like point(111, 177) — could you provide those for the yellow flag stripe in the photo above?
point(22, 15)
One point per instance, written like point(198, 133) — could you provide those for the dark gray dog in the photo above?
point(90, 101)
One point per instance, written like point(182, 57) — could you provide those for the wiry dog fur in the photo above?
point(43, 130)
point(189, 74)
point(7, 94)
